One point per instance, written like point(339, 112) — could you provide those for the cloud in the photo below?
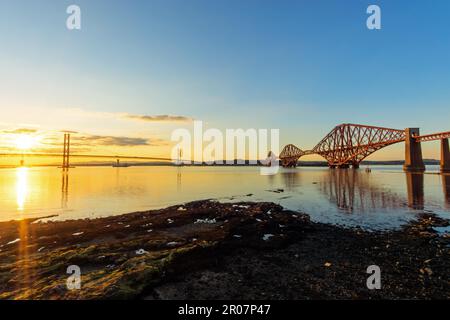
point(158, 142)
point(116, 141)
point(20, 131)
point(68, 131)
point(157, 118)
point(110, 141)
point(78, 112)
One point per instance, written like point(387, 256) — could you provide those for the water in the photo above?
point(385, 198)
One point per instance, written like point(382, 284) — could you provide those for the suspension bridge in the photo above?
point(67, 155)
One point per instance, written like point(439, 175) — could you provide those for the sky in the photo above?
point(137, 70)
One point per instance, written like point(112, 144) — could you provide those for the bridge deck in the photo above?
point(433, 136)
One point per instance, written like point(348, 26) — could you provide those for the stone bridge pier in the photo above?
point(413, 152)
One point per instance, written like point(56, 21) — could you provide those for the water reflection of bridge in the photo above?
point(352, 190)
point(446, 189)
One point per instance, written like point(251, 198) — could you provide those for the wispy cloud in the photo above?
point(68, 131)
point(157, 118)
point(20, 131)
point(77, 112)
point(116, 141)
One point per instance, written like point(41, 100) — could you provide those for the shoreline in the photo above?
point(212, 250)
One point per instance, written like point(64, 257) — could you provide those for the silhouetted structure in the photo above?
point(66, 153)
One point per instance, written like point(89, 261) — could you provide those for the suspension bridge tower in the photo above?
point(66, 153)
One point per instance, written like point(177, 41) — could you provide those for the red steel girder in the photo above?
point(290, 155)
point(349, 144)
point(433, 136)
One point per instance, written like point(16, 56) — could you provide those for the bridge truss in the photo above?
point(346, 144)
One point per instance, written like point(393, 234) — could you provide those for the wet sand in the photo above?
point(212, 250)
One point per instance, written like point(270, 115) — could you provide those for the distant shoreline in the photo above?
point(247, 164)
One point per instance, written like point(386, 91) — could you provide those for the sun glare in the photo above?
point(24, 142)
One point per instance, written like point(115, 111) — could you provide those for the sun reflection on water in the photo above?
point(21, 187)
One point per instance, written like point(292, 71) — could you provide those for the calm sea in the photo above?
point(384, 198)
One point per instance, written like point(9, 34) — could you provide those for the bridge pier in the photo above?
point(445, 156)
point(413, 152)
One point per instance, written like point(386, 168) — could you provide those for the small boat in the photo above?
point(120, 165)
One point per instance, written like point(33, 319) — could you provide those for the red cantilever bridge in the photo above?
point(349, 144)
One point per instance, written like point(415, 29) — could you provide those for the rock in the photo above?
point(207, 221)
point(141, 252)
point(286, 265)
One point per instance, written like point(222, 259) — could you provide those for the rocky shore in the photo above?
point(212, 250)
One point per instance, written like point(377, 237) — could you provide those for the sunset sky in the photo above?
point(139, 69)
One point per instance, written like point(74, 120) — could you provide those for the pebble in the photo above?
point(141, 252)
point(14, 241)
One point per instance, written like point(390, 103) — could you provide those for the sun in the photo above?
point(25, 142)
